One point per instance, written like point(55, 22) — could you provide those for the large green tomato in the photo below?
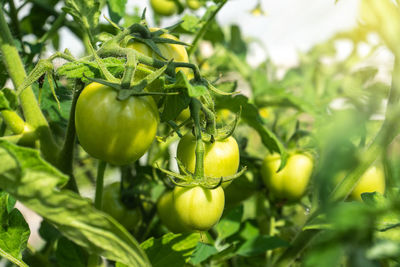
point(221, 158)
point(164, 7)
point(199, 208)
point(113, 205)
point(291, 182)
point(167, 213)
point(118, 132)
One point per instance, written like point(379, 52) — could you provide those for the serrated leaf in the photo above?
point(36, 184)
point(171, 250)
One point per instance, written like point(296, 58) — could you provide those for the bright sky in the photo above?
point(289, 25)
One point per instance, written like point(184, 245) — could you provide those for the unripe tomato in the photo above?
point(113, 205)
point(199, 208)
point(167, 213)
point(373, 180)
point(164, 7)
point(291, 182)
point(221, 158)
point(193, 4)
point(118, 132)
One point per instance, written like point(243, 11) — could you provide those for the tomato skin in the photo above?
point(221, 158)
point(291, 182)
point(193, 4)
point(113, 205)
point(199, 208)
point(164, 7)
point(372, 180)
point(167, 213)
point(118, 132)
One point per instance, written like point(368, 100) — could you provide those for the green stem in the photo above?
point(32, 113)
point(195, 106)
point(66, 155)
point(93, 258)
point(58, 23)
point(203, 29)
point(129, 72)
point(13, 121)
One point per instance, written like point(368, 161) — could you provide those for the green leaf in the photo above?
point(85, 12)
point(171, 249)
point(78, 70)
point(230, 223)
point(190, 23)
point(69, 254)
point(36, 184)
point(116, 8)
point(202, 252)
point(260, 244)
point(14, 232)
point(251, 116)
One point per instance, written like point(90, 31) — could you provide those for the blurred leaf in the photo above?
point(327, 256)
point(116, 9)
point(236, 44)
point(34, 182)
point(384, 249)
point(202, 253)
point(230, 223)
point(190, 23)
point(69, 254)
point(171, 249)
point(260, 244)
point(14, 232)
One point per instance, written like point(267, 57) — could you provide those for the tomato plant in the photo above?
point(221, 158)
point(290, 182)
point(113, 205)
point(118, 132)
point(113, 106)
point(199, 208)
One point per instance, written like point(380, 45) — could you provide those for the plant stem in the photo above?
point(32, 113)
point(13, 121)
point(203, 29)
point(66, 155)
point(14, 19)
point(93, 259)
point(195, 107)
point(58, 23)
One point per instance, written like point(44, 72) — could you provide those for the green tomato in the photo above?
point(113, 205)
point(164, 7)
point(167, 213)
point(372, 180)
point(291, 182)
point(199, 208)
point(118, 132)
point(221, 158)
point(193, 4)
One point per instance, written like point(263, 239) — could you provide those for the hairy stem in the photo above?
point(32, 113)
point(195, 107)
